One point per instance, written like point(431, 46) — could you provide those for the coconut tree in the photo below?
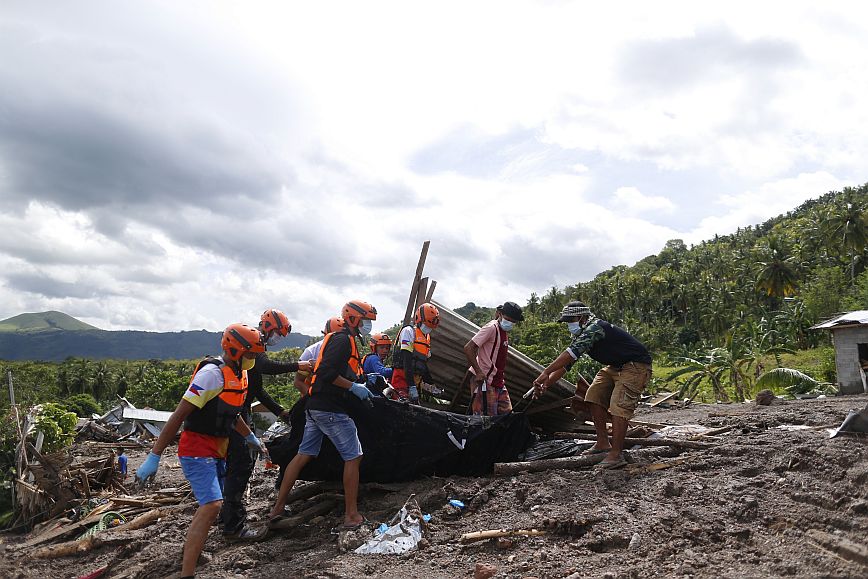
point(846, 228)
point(777, 277)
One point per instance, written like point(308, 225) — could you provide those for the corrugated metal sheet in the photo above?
point(857, 318)
point(448, 367)
point(146, 415)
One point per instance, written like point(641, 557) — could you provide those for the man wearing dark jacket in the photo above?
point(239, 462)
point(337, 375)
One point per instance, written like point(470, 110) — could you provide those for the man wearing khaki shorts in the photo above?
point(617, 386)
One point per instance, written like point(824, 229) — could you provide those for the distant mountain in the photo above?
point(43, 321)
point(55, 336)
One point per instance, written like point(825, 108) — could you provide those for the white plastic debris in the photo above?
point(402, 536)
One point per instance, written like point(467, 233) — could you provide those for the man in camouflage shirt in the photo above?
point(617, 386)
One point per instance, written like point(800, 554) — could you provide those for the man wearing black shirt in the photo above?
point(337, 374)
point(239, 463)
point(616, 388)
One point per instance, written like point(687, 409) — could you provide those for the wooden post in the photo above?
point(421, 292)
point(11, 389)
point(430, 295)
point(408, 315)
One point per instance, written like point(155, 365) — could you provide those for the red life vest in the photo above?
point(217, 417)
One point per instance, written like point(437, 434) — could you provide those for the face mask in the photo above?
point(506, 325)
point(247, 363)
point(575, 328)
point(273, 339)
point(366, 327)
point(425, 329)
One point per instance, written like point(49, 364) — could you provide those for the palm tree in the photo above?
point(698, 369)
point(778, 277)
point(847, 228)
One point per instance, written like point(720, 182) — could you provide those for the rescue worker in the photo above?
point(273, 325)
point(410, 362)
point(486, 352)
point(337, 374)
point(209, 412)
point(616, 388)
point(374, 363)
point(302, 377)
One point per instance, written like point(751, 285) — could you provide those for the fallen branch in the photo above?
point(77, 547)
point(569, 463)
point(497, 533)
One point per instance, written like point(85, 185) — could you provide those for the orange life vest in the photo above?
point(217, 417)
point(354, 364)
point(422, 343)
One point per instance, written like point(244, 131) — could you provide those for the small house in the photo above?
point(850, 336)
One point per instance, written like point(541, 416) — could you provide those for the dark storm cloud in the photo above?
point(470, 152)
point(78, 157)
point(44, 285)
point(668, 65)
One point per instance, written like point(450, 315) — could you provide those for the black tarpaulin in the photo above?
point(403, 442)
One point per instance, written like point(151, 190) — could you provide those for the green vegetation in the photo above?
point(43, 321)
point(718, 315)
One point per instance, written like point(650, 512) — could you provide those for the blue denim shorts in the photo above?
point(340, 429)
point(205, 476)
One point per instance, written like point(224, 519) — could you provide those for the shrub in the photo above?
point(83, 405)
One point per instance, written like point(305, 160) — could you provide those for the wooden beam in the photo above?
point(431, 287)
point(415, 287)
point(569, 463)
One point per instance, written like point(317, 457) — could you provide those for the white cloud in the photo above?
point(631, 201)
point(176, 166)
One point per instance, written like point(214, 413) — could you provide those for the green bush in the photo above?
point(57, 424)
point(83, 405)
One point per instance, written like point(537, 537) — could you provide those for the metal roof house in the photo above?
point(850, 336)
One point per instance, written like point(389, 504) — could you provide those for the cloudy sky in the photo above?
point(184, 165)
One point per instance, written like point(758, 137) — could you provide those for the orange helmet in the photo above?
point(239, 339)
point(429, 315)
point(356, 311)
point(274, 321)
point(333, 325)
point(380, 339)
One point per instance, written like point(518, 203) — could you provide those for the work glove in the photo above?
point(414, 394)
point(258, 445)
point(148, 468)
point(360, 391)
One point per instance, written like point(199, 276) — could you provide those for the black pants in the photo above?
point(239, 467)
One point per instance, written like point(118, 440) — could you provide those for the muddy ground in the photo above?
point(745, 508)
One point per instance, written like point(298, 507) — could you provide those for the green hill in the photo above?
point(42, 321)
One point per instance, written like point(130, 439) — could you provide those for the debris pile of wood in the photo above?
point(85, 526)
point(448, 365)
point(123, 422)
point(641, 435)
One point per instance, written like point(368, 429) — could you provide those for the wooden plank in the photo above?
point(664, 399)
point(421, 292)
point(674, 442)
point(408, 314)
point(569, 463)
point(430, 295)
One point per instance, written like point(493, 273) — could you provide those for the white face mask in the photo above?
point(425, 329)
point(273, 339)
point(575, 328)
point(506, 325)
point(366, 327)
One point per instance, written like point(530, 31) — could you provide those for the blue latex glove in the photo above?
point(149, 467)
point(253, 441)
point(414, 392)
point(360, 391)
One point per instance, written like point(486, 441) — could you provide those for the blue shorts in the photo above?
point(340, 429)
point(205, 476)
